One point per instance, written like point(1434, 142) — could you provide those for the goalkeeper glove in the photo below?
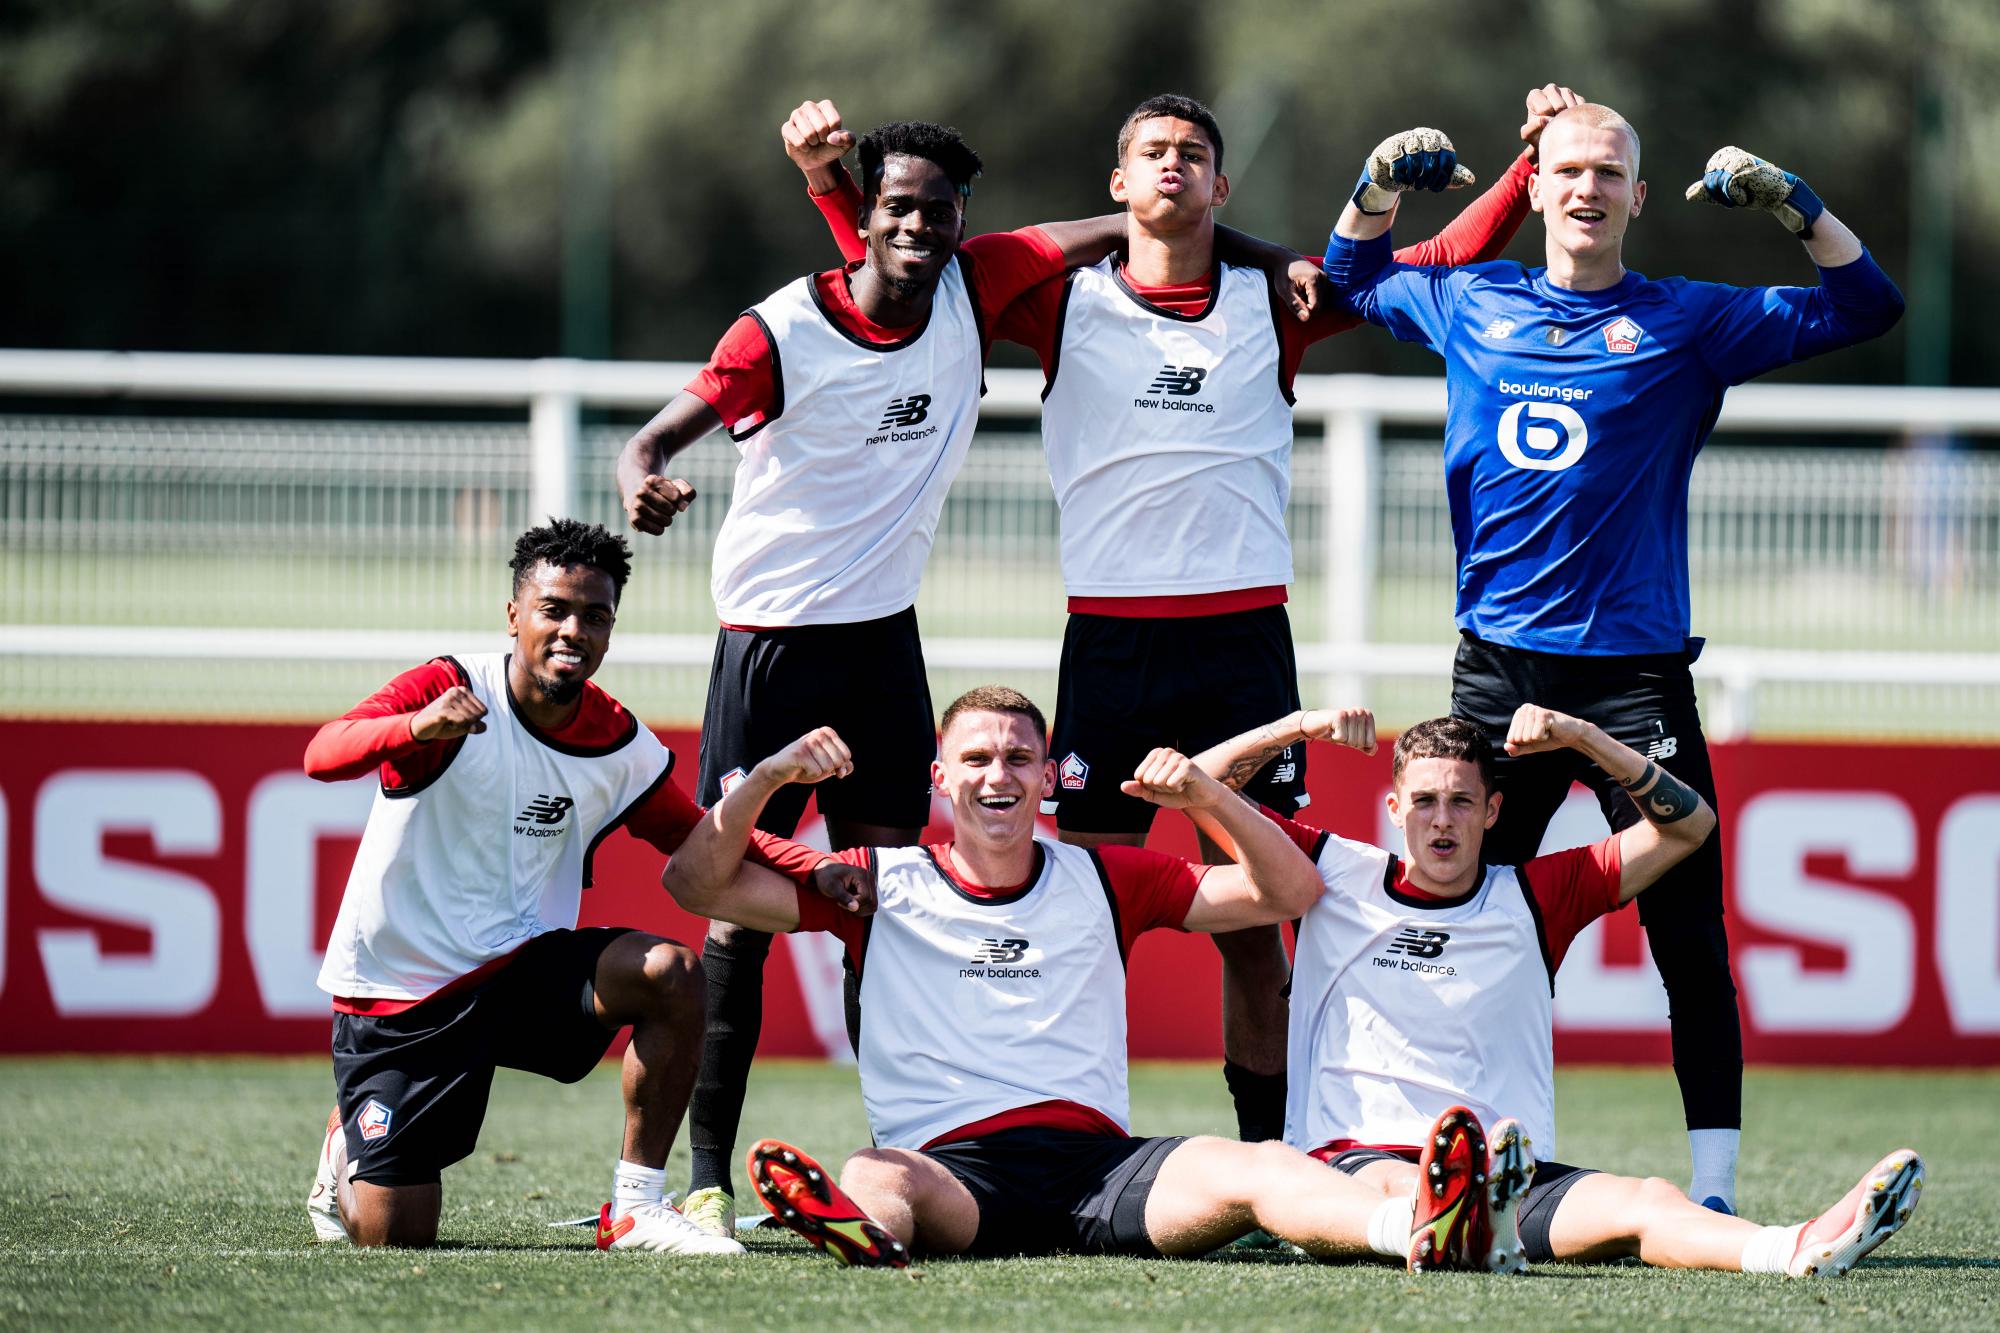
point(1736, 179)
point(1419, 159)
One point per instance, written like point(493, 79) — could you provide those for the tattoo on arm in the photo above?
point(1246, 764)
point(1668, 800)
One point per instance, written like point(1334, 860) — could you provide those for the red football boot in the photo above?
point(800, 1193)
point(1448, 1227)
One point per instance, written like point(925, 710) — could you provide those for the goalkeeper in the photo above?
point(1579, 395)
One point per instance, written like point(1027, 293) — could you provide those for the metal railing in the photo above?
point(1825, 573)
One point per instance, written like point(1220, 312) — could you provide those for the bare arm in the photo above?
point(1271, 881)
point(651, 498)
point(707, 874)
point(1677, 820)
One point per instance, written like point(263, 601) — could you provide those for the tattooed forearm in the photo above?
point(1260, 747)
point(1662, 797)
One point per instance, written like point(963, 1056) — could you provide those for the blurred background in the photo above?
point(309, 308)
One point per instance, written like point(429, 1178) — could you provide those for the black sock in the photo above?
point(734, 967)
point(1260, 1102)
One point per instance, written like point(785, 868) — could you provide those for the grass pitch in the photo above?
point(169, 1193)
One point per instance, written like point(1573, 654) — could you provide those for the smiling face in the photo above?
point(561, 619)
point(1444, 810)
point(913, 224)
point(1587, 188)
point(995, 770)
point(1168, 177)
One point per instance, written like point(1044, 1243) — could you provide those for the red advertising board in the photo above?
point(168, 887)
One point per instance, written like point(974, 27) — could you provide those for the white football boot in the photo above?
point(661, 1228)
point(1509, 1174)
point(712, 1209)
point(1874, 1210)
point(323, 1204)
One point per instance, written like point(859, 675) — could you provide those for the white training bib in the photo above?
point(974, 1006)
point(1402, 1009)
point(1169, 440)
point(839, 489)
point(494, 851)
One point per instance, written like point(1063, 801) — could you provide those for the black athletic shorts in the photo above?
point(1538, 1209)
point(1646, 702)
point(768, 687)
point(412, 1087)
point(1129, 684)
point(1050, 1191)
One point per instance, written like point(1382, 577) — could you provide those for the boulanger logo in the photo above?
point(1173, 389)
point(1417, 948)
point(1539, 448)
point(542, 815)
point(994, 959)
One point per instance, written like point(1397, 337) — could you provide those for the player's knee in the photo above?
point(673, 978)
point(1654, 1195)
point(876, 1171)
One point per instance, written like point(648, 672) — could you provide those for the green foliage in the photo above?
point(370, 176)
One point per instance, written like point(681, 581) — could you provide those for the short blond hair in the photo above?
point(1601, 117)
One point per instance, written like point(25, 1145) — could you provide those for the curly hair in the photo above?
point(1443, 738)
point(918, 138)
point(1177, 107)
point(569, 543)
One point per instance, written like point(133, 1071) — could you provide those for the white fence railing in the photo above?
point(165, 538)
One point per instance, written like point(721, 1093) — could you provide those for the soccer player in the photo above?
point(852, 396)
point(455, 949)
point(992, 1054)
point(1168, 426)
point(1421, 1009)
point(1580, 393)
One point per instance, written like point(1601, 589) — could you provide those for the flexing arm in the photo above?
point(422, 705)
point(651, 498)
point(815, 141)
point(1677, 819)
point(1271, 881)
point(1236, 760)
point(708, 876)
point(1736, 179)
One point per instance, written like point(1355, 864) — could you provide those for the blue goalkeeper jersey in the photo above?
point(1574, 421)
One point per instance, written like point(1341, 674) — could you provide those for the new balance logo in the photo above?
point(1000, 951)
point(1180, 381)
point(1666, 747)
point(905, 411)
point(545, 810)
point(1419, 943)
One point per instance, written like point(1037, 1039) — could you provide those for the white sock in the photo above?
point(1771, 1249)
point(635, 1186)
point(1389, 1226)
point(1714, 1154)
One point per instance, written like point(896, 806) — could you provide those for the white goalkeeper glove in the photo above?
point(1736, 179)
point(1419, 159)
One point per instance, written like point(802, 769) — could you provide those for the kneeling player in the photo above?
point(456, 948)
point(1421, 1004)
point(992, 1047)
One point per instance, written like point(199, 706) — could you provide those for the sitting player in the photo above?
point(1421, 1005)
point(993, 1019)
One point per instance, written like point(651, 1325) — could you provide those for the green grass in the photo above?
point(168, 1193)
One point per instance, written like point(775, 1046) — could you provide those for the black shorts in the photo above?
point(1050, 1191)
point(1538, 1209)
point(768, 687)
point(412, 1087)
point(1128, 685)
point(1646, 702)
